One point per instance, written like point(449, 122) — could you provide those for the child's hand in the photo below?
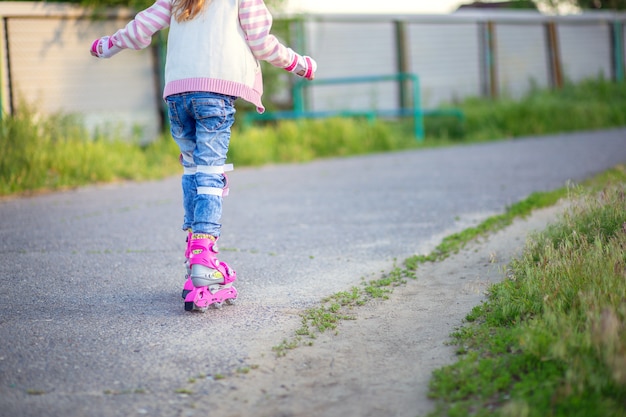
point(309, 71)
point(104, 48)
point(303, 66)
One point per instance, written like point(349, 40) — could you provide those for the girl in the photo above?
point(213, 53)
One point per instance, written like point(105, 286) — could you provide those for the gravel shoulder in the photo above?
point(381, 363)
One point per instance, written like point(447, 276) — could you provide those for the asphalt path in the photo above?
point(91, 318)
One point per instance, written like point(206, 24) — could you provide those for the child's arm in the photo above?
point(256, 22)
point(138, 32)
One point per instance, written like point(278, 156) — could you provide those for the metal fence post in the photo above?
point(8, 100)
point(617, 41)
point(554, 56)
point(403, 64)
point(298, 94)
point(158, 51)
point(3, 31)
point(488, 59)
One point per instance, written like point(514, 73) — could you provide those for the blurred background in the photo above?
point(380, 57)
point(392, 75)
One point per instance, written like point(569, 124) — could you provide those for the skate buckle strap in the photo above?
point(207, 169)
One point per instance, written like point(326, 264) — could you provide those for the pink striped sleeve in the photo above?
point(256, 22)
point(138, 32)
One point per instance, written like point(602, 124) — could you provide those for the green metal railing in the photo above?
point(415, 111)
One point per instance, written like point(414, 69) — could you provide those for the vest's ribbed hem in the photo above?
point(230, 88)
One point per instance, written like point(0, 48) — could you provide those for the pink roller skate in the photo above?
point(210, 280)
point(188, 284)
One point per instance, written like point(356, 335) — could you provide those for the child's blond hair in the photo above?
point(184, 10)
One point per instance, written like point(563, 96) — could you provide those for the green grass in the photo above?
point(56, 152)
point(305, 140)
point(551, 338)
point(592, 104)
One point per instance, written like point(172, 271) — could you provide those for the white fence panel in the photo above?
point(522, 58)
point(52, 70)
point(352, 49)
point(447, 59)
point(585, 50)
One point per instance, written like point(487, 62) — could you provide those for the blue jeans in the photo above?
point(200, 124)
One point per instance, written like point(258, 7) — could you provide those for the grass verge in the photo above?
point(57, 152)
point(588, 105)
point(551, 338)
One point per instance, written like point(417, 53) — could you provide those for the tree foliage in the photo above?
point(551, 4)
point(602, 4)
point(586, 4)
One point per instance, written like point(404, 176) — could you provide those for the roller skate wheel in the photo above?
point(231, 301)
point(217, 305)
point(188, 305)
